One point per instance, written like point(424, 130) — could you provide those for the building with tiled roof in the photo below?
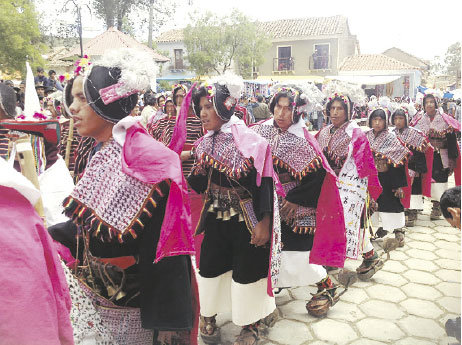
point(311, 47)
point(373, 62)
point(112, 39)
point(306, 27)
point(380, 74)
point(403, 56)
point(175, 35)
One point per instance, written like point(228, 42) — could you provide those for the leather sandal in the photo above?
point(248, 333)
point(322, 301)
point(209, 331)
point(399, 236)
point(369, 267)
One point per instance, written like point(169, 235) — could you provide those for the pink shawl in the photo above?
point(450, 124)
point(35, 302)
point(151, 162)
point(329, 246)
point(179, 132)
point(364, 161)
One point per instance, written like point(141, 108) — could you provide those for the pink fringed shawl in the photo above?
point(329, 246)
point(151, 162)
point(35, 303)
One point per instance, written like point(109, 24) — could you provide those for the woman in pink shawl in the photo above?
point(348, 153)
point(233, 170)
point(419, 170)
point(441, 130)
point(129, 212)
point(311, 210)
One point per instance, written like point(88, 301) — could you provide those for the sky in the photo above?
point(423, 28)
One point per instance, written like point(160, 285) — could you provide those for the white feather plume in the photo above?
point(138, 69)
point(309, 92)
point(353, 91)
point(233, 82)
point(384, 102)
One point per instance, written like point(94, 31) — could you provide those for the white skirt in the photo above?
point(296, 270)
point(417, 202)
point(390, 221)
point(248, 303)
point(438, 188)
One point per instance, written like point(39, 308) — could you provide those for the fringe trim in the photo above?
point(208, 161)
point(435, 134)
point(314, 165)
point(85, 216)
point(332, 156)
point(303, 230)
point(422, 148)
point(389, 161)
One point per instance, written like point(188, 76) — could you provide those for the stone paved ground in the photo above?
point(406, 303)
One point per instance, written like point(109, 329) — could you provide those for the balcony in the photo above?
point(283, 65)
point(320, 62)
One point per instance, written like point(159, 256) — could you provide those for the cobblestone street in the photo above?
point(406, 303)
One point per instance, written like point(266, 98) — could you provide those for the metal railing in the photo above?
point(283, 64)
point(320, 62)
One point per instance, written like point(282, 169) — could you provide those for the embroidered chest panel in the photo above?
point(108, 202)
point(387, 146)
point(219, 152)
point(438, 128)
point(289, 151)
point(412, 139)
point(334, 144)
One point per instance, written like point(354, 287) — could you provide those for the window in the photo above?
point(321, 56)
point(178, 58)
point(284, 61)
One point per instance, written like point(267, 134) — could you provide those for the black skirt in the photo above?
point(226, 247)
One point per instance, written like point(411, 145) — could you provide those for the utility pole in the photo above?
point(151, 3)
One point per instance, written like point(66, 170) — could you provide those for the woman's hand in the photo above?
point(399, 193)
point(185, 155)
point(261, 233)
point(288, 209)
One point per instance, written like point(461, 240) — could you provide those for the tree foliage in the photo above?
point(452, 59)
point(20, 37)
point(113, 12)
point(214, 43)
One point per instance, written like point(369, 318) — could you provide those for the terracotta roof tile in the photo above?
point(315, 26)
point(373, 62)
point(113, 39)
point(284, 28)
point(171, 36)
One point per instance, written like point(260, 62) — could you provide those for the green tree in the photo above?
point(20, 37)
point(214, 43)
point(452, 59)
point(114, 12)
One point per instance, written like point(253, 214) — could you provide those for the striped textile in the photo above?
point(82, 155)
point(63, 144)
point(162, 131)
point(4, 141)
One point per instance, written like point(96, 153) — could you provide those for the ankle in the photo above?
point(371, 255)
point(326, 283)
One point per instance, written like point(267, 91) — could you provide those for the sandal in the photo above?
point(209, 331)
point(271, 319)
point(399, 236)
point(176, 338)
point(381, 233)
point(248, 333)
point(369, 267)
point(322, 301)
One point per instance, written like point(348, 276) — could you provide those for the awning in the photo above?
point(365, 79)
point(298, 78)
